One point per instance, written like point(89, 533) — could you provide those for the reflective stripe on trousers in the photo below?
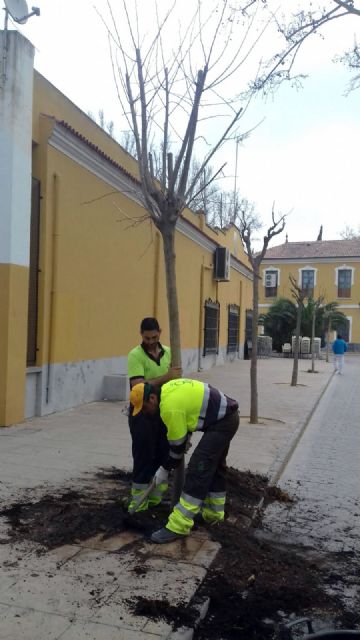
point(181, 519)
point(153, 499)
point(182, 516)
point(213, 509)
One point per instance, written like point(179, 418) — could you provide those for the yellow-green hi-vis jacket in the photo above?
point(187, 406)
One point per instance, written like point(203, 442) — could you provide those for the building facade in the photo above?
point(329, 268)
point(78, 271)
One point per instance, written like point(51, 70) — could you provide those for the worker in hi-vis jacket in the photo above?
point(185, 406)
point(148, 362)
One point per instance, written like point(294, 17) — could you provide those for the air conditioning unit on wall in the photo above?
point(222, 264)
point(270, 279)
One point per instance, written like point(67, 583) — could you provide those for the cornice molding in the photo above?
point(79, 151)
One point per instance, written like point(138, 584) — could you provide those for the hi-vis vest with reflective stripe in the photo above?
point(190, 405)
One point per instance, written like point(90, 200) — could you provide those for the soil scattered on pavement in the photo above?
point(180, 616)
point(253, 584)
point(68, 516)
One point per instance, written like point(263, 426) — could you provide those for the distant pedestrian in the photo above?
point(339, 349)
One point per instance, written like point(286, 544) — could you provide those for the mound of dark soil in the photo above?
point(64, 517)
point(69, 516)
point(253, 585)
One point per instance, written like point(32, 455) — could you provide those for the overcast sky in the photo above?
point(305, 154)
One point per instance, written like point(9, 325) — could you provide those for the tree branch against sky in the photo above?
point(310, 19)
point(248, 222)
point(184, 81)
point(299, 296)
point(293, 119)
point(175, 82)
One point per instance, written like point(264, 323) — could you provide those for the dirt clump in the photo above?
point(180, 615)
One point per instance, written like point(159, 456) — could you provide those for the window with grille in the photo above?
point(344, 283)
point(233, 328)
point(271, 284)
point(211, 329)
point(307, 281)
point(248, 333)
point(248, 324)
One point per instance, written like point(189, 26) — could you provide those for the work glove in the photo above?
point(161, 476)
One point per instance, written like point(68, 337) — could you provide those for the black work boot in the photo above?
point(164, 535)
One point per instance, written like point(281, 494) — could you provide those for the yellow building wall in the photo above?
point(196, 285)
point(98, 272)
point(229, 238)
point(13, 291)
point(99, 262)
point(101, 265)
point(326, 285)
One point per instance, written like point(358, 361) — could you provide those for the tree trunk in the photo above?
point(328, 340)
point(168, 236)
point(313, 342)
point(295, 370)
point(254, 418)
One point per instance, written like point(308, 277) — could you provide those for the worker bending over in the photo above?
point(186, 406)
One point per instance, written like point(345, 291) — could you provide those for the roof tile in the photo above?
point(318, 249)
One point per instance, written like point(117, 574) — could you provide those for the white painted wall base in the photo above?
point(62, 386)
point(116, 387)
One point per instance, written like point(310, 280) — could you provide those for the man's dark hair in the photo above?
point(149, 324)
point(149, 389)
point(339, 336)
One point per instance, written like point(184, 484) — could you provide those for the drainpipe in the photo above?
point(4, 51)
point(240, 309)
point(54, 276)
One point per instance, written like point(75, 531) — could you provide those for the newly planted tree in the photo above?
point(314, 304)
point(310, 20)
point(168, 83)
point(299, 296)
point(175, 79)
point(171, 84)
point(248, 222)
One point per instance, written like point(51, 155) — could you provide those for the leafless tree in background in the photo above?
point(349, 233)
point(299, 296)
point(309, 21)
point(107, 125)
point(315, 305)
point(248, 222)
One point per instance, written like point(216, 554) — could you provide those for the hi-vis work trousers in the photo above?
point(150, 449)
point(205, 482)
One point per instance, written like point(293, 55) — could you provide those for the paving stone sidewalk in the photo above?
point(323, 474)
point(83, 590)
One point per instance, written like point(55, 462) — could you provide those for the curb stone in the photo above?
point(281, 460)
point(277, 468)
